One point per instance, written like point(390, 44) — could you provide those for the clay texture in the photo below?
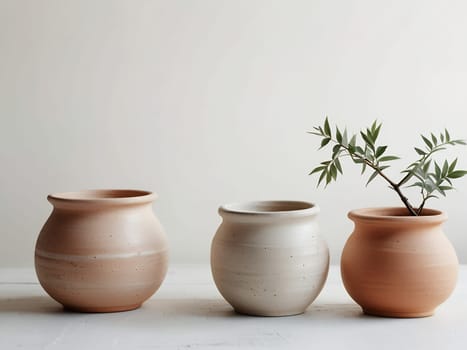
point(101, 250)
point(268, 258)
point(397, 265)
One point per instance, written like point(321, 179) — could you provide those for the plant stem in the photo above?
point(420, 208)
point(394, 186)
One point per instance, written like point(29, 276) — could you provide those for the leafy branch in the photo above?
point(428, 175)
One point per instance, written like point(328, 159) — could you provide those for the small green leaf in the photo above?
point(388, 158)
point(427, 142)
point(328, 178)
point(345, 141)
point(457, 174)
point(416, 184)
point(452, 166)
point(338, 135)
point(317, 169)
point(369, 155)
point(360, 151)
point(437, 170)
point(418, 176)
point(327, 128)
point(314, 133)
point(370, 135)
point(333, 171)
point(440, 190)
point(338, 165)
point(430, 186)
point(426, 166)
point(335, 151)
point(325, 141)
point(446, 133)
point(445, 169)
point(434, 139)
point(322, 176)
point(373, 126)
point(363, 167)
point(441, 136)
point(353, 140)
point(372, 177)
point(419, 151)
point(376, 132)
point(434, 178)
point(380, 150)
point(367, 140)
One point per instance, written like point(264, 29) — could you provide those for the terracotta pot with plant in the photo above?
point(397, 262)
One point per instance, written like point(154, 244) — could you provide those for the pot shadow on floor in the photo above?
point(30, 305)
point(219, 308)
point(335, 310)
point(177, 308)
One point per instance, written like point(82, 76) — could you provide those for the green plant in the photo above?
point(425, 173)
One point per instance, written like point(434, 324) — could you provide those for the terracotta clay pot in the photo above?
point(397, 265)
point(101, 250)
point(268, 258)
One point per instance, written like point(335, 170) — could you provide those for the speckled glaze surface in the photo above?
point(396, 265)
point(101, 250)
point(268, 258)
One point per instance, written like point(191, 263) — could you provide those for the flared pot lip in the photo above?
point(396, 214)
point(270, 208)
point(102, 197)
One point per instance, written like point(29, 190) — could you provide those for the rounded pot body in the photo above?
point(101, 250)
point(268, 258)
point(397, 265)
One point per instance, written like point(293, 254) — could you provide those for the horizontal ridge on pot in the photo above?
point(101, 250)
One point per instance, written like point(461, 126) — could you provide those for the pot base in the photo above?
point(269, 314)
point(98, 309)
point(395, 314)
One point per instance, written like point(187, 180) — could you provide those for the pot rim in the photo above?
point(282, 208)
point(396, 214)
point(102, 196)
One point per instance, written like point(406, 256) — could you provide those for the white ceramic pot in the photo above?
point(268, 258)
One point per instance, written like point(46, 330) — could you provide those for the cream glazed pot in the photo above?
point(101, 250)
point(268, 258)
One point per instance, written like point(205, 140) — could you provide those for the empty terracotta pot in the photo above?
point(398, 265)
point(268, 258)
point(101, 250)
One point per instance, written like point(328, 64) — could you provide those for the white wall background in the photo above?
point(208, 102)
